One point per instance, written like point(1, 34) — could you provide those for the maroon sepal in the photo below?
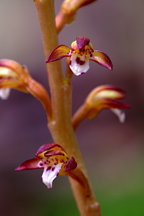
point(72, 164)
point(58, 53)
point(102, 59)
point(30, 164)
point(82, 42)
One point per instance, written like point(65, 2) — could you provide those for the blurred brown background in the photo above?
point(113, 152)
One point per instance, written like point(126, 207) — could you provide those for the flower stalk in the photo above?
point(60, 123)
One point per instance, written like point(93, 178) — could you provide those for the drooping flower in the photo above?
point(53, 160)
point(12, 75)
point(16, 76)
point(80, 53)
point(106, 96)
point(100, 98)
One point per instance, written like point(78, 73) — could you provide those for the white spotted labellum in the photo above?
point(80, 53)
point(53, 160)
point(103, 97)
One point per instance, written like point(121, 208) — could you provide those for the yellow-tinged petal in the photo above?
point(12, 68)
point(102, 59)
point(58, 53)
point(7, 72)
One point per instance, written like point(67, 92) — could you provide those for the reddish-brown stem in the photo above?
point(90, 206)
point(60, 124)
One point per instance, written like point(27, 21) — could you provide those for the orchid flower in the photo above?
point(106, 96)
point(12, 75)
point(80, 53)
point(53, 160)
point(100, 98)
point(16, 76)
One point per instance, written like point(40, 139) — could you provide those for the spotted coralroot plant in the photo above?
point(63, 156)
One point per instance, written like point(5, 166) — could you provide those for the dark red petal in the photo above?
point(59, 52)
point(102, 59)
point(30, 164)
point(82, 42)
point(112, 103)
point(86, 2)
point(72, 164)
point(47, 147)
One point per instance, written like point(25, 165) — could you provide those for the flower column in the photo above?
point(60, 124)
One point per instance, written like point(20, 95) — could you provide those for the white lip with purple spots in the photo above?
point(79, 64)
point(50, 173)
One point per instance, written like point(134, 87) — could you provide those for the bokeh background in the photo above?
point(113, 152)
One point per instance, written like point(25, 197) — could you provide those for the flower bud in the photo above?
point(68, 11)
point(70, 7)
